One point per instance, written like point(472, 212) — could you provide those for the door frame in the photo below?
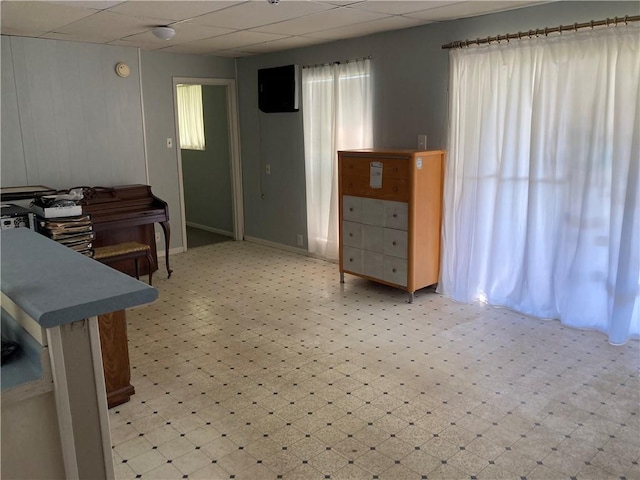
point(234, 151)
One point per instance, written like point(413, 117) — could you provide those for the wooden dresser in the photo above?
point(390, 204)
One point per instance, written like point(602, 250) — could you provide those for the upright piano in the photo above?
point(127, 214)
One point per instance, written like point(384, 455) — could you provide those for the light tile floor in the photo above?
point(256, 363)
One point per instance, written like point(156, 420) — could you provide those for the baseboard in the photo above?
point(279, 246)
point(210, 229)
point(172, 251)
point(288, 248)
point(259, 241)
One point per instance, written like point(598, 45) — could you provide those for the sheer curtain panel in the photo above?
point(336, 104)
point(190, 118)
point(542, 212)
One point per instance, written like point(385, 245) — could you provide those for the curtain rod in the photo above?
point(543, 31)
point(337, 63)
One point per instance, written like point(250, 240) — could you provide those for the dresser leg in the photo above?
point(341, 277)
point(411, 297)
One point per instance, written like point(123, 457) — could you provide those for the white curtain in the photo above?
point(336, 103)
point(542, 212)
point(190, 118)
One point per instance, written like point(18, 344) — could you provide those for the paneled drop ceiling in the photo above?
point(229, 28)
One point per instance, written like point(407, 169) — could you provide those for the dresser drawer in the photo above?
point(396, 215)
point(395, 243)
point(352, 234)
point(373, 238)
point(392, 188)
point(361, 166)
point(373, 211)
point(373, 264)
point(352, 208)
point(395, 270)
point(352, 259)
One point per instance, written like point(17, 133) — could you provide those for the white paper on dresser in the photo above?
point(375, 175)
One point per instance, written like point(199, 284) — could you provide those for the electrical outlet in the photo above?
point(300, 240)
point(422, 142)
point(267, 169)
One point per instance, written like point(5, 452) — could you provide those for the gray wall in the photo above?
point(206, 174)
point(158, 70)
point(67, 118)
point(410, 74)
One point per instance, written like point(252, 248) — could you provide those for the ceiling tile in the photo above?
point(170, 10)
point(399, 7)
point(467, 9)
point(113, 25)
point(367, 28)
point(337, 17)
point(182, 49)
point(253, 14)
point(235, 40)
point(230, 27)
point(94, 4)
point(185, 32)
point(22, 32)
point(340, 2)
point(231, 53)
point(282, 44)
point(79, 37)
point(40, 17)
point(186, 49)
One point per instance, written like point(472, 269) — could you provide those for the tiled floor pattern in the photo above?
point(257, 363)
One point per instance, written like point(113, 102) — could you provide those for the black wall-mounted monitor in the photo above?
point(278, 89)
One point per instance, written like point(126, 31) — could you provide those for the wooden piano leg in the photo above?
point(167, 237)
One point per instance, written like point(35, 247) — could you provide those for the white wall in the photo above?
point(67, 118)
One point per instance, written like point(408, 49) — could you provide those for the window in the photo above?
point(541, 190)
point(337, 116)
point(190, 118)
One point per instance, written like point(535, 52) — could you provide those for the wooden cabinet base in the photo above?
point(115, 357)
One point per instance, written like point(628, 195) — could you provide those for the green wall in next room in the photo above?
point(206, 173)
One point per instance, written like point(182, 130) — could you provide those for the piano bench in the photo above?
point(125, 251)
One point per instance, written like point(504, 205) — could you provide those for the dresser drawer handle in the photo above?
point(393, 243)
point(351, 209)
point(395, 215)
point(393, 270)
point(351, 259)
point(351, 234)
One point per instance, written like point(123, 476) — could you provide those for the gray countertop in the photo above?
point(55, 285)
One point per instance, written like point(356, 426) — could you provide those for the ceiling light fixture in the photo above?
point(164, 33)
point(274, 2)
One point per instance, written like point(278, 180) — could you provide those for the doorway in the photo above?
point(210, 179)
